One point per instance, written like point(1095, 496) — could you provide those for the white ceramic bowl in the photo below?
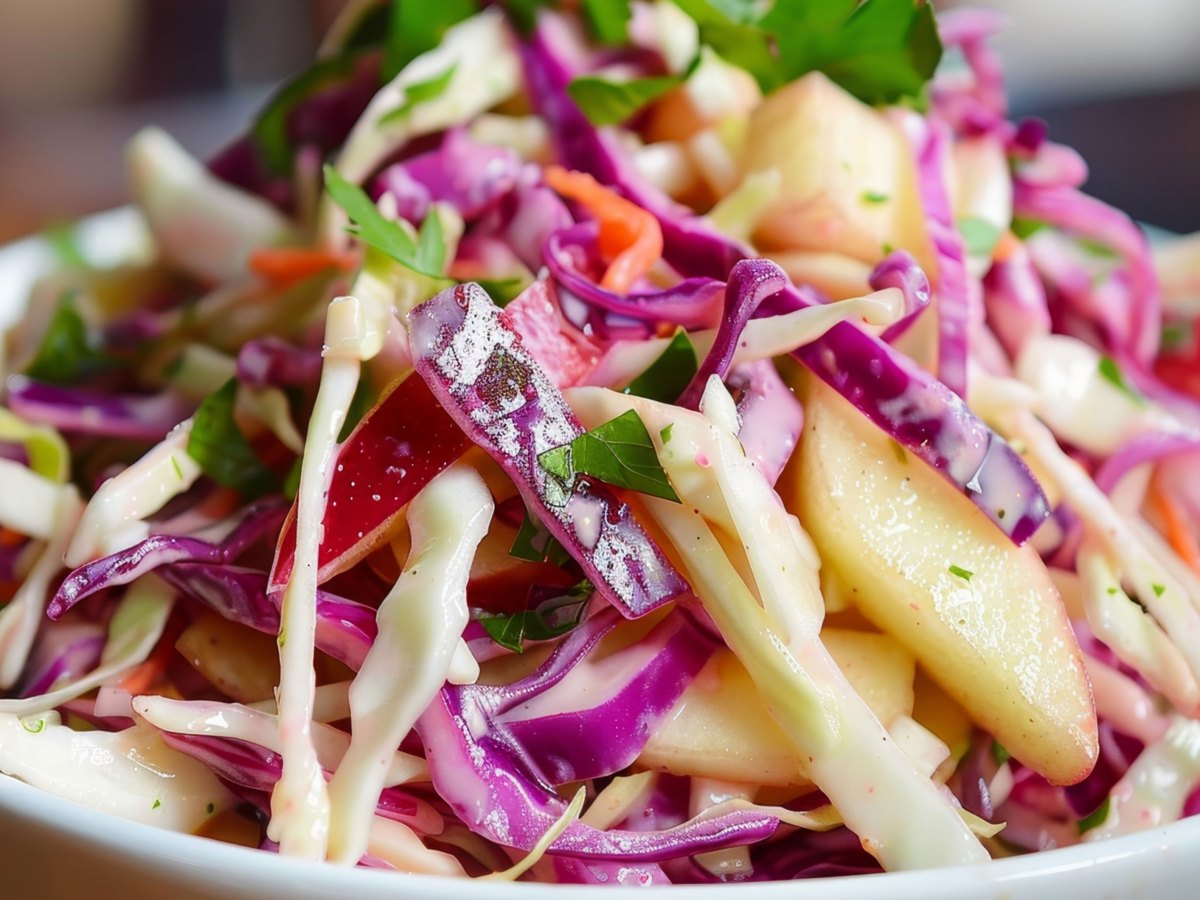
point(54, 848)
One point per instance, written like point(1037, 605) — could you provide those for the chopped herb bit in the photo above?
point(608, 102)
point(1176, 335)
point(426, 255)
point(64, 241)
point(36, 726)
point(999, 754)
point(900, 453)
point(665, 434)
point(960, 572)
point(534, 543)
point(619, 452)
point(417, 27)
point(667, 376)
point(218, 445)
point(178, 468)
point(1158, 589)
point(68, 353)
point(420, 92)
point(979, 236)
point(1097, 249)
point(1111, 372)
point(1000, 514)
point(1113, 591)
point(550, 619)
point(1087, 823)
point(504, 291)
point(874, 197)
point(210, 808)
point(156, 804)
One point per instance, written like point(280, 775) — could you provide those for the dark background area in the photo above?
point(1118, 81)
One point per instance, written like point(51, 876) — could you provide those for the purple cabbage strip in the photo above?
point(692, 303)
point(1145, 448)
point(1068, 209)
point(751, 281)
point(981, 105)
point(62, 654)
point(899, 270)
point(528, 217)
point(345, 629)
point(492, 781)
point(470, 177)
point(273, 362)
point(1015, 301)
point(259, 521)
point(503, 400)
point(81, 411)
point(931, 144)
point(611, 874)
point(933, 423)
point(922, 414)
point(772, 417)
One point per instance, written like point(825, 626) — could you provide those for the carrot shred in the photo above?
point(283, 266)
point(1006, 246)
point(630, 238)
point(142, 677)
point(1178, 534)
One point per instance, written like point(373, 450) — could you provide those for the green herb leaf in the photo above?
point(999, 754)
point(534, 543)
point(418, 26)
point(222, 451)
point(1177, 335)
point(63, 239)
point(665, 434)
point(371, 227)
point(552, 618)
point(34, 726)
point(156, 804)
point(1111, 372)
point(504, 291)
point(619, 453)
point(270, 130)
point(960, 572)
point(669, 375)
point(608, 102)
point(1158, 589)
point(68, 353)
point(1087, 823)
point(979, 236)
point(420, 92)
point(609, 19)
point(874, 197)
point(1026, 228)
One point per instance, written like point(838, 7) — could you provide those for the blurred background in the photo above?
point(1120, 81)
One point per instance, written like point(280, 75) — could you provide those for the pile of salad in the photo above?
point(616, 442)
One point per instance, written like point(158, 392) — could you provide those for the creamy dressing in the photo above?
point(421, 622)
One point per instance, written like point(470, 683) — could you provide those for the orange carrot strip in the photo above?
point(1006, 246)
point(1178, 534)
point(288, 265)
point(630, 238)
point(142, 677)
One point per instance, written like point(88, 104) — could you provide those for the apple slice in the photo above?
point(925, 565)
point(721, 728)
point(849, 178)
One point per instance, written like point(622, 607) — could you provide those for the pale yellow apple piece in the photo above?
point(240, 662)
point(849, 178)
point(925, 565)
point(721, 728)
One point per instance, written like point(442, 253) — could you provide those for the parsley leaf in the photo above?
point(979, 236)
point(668, 375)
point(609, 19)
point(222, 451)
point(419, 92)
point(534, 543)
point(608, 102)
point(619, 453)
point(417, 26)
point(550, 619)
point(504, 291)
point(68, 353)
point(426, 255)
point(1087, 823)
point(1111, 372)
point(1158, 589)
point(874, 197)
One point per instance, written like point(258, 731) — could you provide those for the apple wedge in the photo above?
point(981, 615)
point(721, 727)
point(849, 182)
